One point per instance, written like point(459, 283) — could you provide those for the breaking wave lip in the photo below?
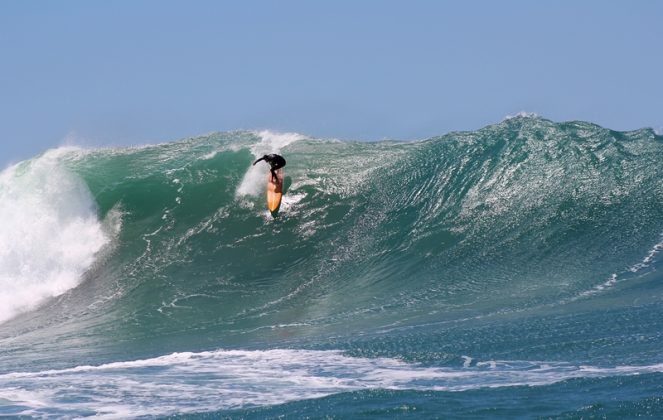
point(231, 379)
point(50, 233)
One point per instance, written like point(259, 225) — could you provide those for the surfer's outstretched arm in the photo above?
point(262, 158)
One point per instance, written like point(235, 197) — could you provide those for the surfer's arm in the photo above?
point(262, 158)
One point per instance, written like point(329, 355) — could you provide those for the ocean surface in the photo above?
point(513, 271)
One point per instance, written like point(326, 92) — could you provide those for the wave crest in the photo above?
point(49, 236)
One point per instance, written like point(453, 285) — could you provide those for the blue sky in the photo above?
point(134, 72)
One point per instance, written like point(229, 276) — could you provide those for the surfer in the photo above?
point(275, 162)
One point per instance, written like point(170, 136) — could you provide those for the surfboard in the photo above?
point(274, 190)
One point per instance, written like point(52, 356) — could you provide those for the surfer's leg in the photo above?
point(274, 177)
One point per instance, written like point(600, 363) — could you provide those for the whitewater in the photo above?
point(511, 271)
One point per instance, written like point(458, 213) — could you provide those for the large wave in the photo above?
point(170, 248)
point(526, 211)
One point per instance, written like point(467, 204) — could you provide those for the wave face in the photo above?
point(524, 253)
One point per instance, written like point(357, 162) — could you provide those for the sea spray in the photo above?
point(49, 233)
point(254, 180)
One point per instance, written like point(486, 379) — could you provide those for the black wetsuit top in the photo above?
point(275, 162)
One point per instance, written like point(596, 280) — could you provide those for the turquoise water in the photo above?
point(510, 271)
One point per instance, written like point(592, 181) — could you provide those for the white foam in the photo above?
point(615, 278)
point(255, 179)
point(596, 289)
point(467, 361)
point(272, 142)
point(522, 114)
point(649, 258)
point(181, 383)
point(49, 234)
point(210, 155)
